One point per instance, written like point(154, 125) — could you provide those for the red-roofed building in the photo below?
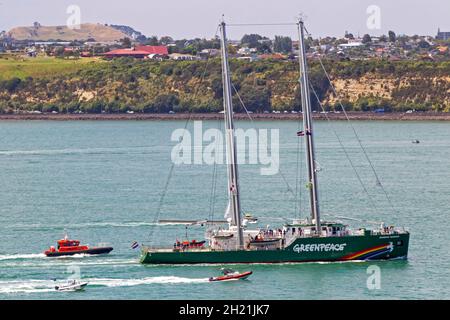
point(138, 52)
point(160, 50)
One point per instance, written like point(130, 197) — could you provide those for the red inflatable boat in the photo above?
point(232, 275)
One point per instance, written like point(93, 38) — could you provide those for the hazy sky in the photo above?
point(199, 18)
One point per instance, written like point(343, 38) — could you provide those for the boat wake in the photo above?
point(5, 257)
point(49, 152)
point(150, 280)
point(40, 260)
point(130, 224)
point(42, 286)
point(29, 286)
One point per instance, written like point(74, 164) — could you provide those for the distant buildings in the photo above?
point(353, 44)
point(160, 50)
point(348, 48)
point(139, 52)
point(183, 57)
point(443, 35)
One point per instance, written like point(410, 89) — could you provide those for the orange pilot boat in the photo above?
point(68, 247)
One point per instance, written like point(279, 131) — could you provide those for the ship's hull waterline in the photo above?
point(323, 249)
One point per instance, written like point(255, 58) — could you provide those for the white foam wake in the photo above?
point(150, 280)
point(129, 224)
point(61, 151)
point(21, 256)
point(38, 286)
point(29, 286)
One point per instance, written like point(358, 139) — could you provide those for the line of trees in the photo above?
point(125, 85)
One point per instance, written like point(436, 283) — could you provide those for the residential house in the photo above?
point(207, 53)
point(130, 52)
point(139, 52)
point(159, 50)
point(183, 57)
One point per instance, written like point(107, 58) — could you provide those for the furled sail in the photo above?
point(228, 216)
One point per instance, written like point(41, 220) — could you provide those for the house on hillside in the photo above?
point(208, 53)
point(354, 44)
point(159, 50)
point(245, 51)
point(131, 52)
point(183, 57)
point(138, 52)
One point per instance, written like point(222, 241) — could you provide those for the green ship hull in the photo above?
point(364, 247)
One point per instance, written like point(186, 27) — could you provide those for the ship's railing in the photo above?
point(172, 249)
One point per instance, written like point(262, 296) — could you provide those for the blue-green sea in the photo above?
point(102, 182)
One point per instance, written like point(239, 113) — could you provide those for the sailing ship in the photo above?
point(307, 240)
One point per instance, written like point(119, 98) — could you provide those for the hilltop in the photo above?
point(98, 32)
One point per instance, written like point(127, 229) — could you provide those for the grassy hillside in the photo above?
point(41, 67)
point(89, 85)
point(98, 32)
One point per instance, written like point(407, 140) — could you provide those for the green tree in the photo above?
point(255, 99)
point(166, 40)
point(11, 85)
point(392, 36)
point(125, 42)
point(349, 36)
point(282, 44)
point(164, 103)
point(423, 44)
point(251, 40)
point(366, 39)
point(152, 41)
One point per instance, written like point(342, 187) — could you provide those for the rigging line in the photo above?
point(261, 24)
point(296, 179)
point(242, 102)
point(166, 186)
point(344, 149)
point(214, 187)
point(212, 193)
point(279, 170)
point(299, 175)
point(378, 181)
point(354, 219)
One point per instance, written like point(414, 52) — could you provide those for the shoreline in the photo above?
point(360, 116)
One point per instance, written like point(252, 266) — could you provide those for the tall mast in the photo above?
point(308, 130)
point(233, 183)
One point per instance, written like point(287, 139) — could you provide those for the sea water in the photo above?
point(103, 181)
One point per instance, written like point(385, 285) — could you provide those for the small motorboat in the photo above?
point(250, 218)
point(72, 285)
point(416, 141)
point(185, 245)
point(229, 275)
point(68, 247)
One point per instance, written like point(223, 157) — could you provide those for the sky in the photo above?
point(199, 18)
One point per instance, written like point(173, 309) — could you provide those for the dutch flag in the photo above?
point(134, 245)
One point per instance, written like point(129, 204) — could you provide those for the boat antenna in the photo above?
point(233, 181)
point(308, 132)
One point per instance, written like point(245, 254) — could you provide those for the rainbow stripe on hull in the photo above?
point(372, 253)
